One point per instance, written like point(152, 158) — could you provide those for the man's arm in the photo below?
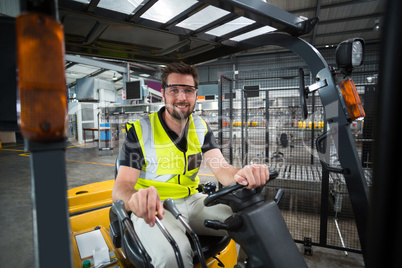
point(222, 170)
point(143, 203)
point(250, 175)
point(123, 187)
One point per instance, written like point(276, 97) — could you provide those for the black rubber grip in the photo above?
point(170, 206)
point(118, 208)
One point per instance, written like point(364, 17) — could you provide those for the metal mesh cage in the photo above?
point(261, 122)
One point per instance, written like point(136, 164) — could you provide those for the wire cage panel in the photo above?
point(261, 121)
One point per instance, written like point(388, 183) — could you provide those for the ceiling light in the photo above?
point(254, 33)
point(114, 78)
point(145, 75)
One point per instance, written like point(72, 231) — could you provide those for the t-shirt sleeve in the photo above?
point(209, 141)
point(131, 154)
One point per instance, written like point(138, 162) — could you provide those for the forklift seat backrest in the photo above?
point(128, 125)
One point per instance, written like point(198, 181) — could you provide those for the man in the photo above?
point(161, 157)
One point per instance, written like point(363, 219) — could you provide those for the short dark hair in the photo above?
point(181, 68)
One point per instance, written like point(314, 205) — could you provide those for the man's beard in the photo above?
point(179, 115)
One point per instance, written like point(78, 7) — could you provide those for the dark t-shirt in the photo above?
point(131, 154)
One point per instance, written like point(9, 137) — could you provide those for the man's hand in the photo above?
point(144, 203)
point(252, 175)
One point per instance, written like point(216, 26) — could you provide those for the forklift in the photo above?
point(77, 217)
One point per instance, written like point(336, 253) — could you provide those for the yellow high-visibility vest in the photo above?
point(171, 171)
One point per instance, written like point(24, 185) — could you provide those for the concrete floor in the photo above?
point(85, 164)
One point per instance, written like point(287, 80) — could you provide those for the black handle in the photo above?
point(119, 209)
point(170, 206)
point(126, 224)
point(318, 143)
point(232, 224)
point(217, 225)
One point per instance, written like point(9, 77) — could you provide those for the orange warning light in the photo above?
point(42, 88)
point(352, 99)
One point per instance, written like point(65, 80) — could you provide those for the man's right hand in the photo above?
point(145, 203)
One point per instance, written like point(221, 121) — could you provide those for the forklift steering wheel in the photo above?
point(212, 199)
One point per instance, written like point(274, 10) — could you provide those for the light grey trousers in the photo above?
point(194, 212)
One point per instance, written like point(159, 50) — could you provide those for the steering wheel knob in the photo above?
point(209, 188)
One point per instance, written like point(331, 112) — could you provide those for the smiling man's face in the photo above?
point(180, 98)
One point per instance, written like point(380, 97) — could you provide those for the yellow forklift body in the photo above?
point(89, 207)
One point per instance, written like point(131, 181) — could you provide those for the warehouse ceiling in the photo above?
point(151, 33)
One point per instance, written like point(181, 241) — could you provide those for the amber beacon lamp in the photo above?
point(41, 83)
point(42, 110)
